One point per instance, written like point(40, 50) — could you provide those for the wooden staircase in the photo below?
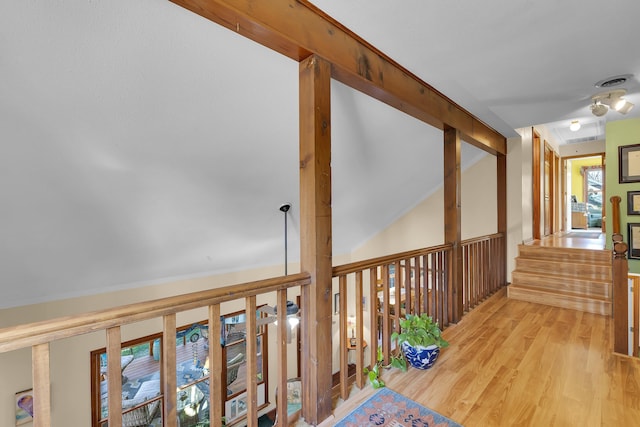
point(579, 279)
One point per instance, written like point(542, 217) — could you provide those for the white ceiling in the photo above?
point(141, 142)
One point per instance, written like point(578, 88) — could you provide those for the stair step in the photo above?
point(597, 288)
point(579, 269)
point(558, 298)
point(565, 254)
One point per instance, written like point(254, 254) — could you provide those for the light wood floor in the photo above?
point(514, 363)
point(572, 239)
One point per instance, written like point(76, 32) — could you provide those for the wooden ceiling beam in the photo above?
point(298, 29)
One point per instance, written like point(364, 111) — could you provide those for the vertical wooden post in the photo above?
point(40, 368)
point(168, 370)
point(620, 296)
point(315, 231)
point(216, 400)
point(615, 214)
point(453, 219)
point(114, 376)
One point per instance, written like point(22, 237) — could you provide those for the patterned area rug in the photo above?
point(388, 408)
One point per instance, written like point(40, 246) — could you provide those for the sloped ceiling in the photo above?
point(141, 142)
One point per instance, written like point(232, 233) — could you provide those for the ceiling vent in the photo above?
point(613, 81)
point(585, 139)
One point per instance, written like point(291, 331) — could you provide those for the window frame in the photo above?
point(96, 375)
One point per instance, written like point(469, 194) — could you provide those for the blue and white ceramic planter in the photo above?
point(421, 357)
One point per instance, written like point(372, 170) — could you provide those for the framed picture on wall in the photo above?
point(24, 407)
point(634, 240)
point(633, 202)
point(629, 163)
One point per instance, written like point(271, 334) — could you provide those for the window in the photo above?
point(142, 398)
point(593, 194)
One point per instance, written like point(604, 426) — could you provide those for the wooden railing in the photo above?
point(421, 278)
point(409, 282)
point(40, 335)
point(484, 271)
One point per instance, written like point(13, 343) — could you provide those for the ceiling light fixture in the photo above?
point(612, 99)
point(574, 126)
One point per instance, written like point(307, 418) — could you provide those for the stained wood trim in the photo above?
point(298, 29)
point(315, 227)
point(536, 178)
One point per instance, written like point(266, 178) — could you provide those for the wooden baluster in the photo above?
point(443, 288)
point(426, 293)
point(397, 283)
point(465, 277)
point(40, 367)
point(417, 285)
point(408, 300)
point(435, 281)
point(216, 400)
point(168, 370)
point(252, 360)
point(281, 331)
point(344, 339)
point(114, 376)
point(386, 315)
point(359, 333)
point(374, 315)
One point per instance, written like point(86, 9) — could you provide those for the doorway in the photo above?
point(586, 192)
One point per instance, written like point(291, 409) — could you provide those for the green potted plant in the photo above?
point(420, 340)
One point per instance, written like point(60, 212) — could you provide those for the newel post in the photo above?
point(620, 272)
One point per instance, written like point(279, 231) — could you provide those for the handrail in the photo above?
point(387, 259)
point(17, 337)
point(481, 238)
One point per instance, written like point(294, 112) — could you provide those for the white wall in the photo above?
point(423, 225)
point(517, 203)
point(582, 149)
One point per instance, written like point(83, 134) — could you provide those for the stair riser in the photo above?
point(577, 286)
point(573, 303)
point(578, 270)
